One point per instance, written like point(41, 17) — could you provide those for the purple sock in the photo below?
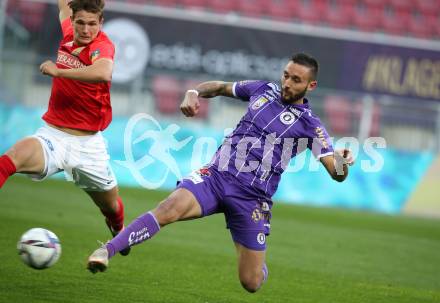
point(140, 230)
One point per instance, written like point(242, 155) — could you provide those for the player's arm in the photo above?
point(99, 71)
point(190, 105)
point(65, 11)
point(337, 164)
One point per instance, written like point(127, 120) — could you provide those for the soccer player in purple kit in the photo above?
point(246, 169)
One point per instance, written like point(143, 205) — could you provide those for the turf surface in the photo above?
point(315, 255)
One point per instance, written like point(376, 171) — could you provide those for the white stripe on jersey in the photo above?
point(264, 156)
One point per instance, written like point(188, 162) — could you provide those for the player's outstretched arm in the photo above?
point(190, 104)
point(212, 89)
point(65, 11)
point(99, 71)
point(337, 164)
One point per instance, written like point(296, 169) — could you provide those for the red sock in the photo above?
point(7, 169)
point(116, 220)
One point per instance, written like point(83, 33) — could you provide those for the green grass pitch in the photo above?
point(314, 255)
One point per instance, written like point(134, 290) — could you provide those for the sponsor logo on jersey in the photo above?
point(244, 82)
point(259, 103)
point(261, 238)
point(204, 172)
point(256, 215)
point(297, 112)
point(321, 136)
point(287, 118)
point(69, 61)
point(77, 51)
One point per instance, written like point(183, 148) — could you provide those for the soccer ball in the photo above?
point(39, 248)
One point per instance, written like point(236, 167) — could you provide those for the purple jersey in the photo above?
point(268, 136)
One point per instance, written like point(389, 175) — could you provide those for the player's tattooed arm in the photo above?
point(191, 104)
point(212, 89)
point(65, 11)
point(337, 164)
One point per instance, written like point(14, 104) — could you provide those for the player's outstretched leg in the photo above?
point(112, 208)
point(180, 205)
point(252, 269)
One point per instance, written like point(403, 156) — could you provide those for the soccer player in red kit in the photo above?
point(79, 109)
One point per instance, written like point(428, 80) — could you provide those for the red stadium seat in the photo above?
point(199, 4)
point(251, 8)
point(420, 27)
point(311, 12)
point(32, 15)
point(338, 113)
point(396, 23)
point(402, 5)
point(374, 4)
point(167, 94)
point(29, 14)
point(367, 18)
point(281, 9)
point(428, 7)
point(346, 2)
point(223, 6)
point(339, 15)
point(169, 3)
point(140, 2)
point(434, 23)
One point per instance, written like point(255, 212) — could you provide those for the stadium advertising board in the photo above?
point(147, 44)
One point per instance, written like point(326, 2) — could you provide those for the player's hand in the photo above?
point(191, 104)
point(49, 68)
point(345, 155)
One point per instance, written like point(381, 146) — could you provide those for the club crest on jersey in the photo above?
point(95, 55)
point(259, 103)
point(287, 118)
point(261, 238)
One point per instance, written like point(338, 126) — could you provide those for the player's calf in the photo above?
point(252, 281)
point(251, 284)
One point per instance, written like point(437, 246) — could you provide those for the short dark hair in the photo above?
point(307, 60)
point(91, 6)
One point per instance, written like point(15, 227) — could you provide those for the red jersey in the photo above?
point(77, 104)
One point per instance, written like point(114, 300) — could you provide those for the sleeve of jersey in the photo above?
point(66, 27)
point(101, 50)
point(320, 143)
point(245, 89)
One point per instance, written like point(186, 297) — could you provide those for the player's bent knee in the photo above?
point(167, 212)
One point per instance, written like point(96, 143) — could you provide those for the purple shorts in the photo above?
point(247, 213)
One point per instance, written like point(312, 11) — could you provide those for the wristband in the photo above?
point(193, 91)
